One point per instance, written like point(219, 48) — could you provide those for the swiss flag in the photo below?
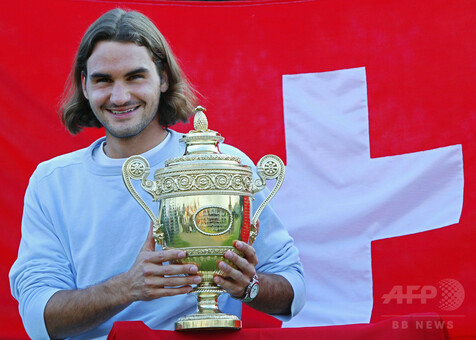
point(369, 103)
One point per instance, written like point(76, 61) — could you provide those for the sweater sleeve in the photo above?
point(275, 248)
point(42, 267)
point(277, 254)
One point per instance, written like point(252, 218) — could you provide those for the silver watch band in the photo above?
point(252, 290)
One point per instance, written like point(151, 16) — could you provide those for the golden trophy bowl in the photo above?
point(205, 204)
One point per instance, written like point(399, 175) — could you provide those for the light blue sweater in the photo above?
point(81, 227)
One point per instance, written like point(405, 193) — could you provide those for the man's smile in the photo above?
point(122, 111)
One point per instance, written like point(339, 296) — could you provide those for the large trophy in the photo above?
point(205, 204)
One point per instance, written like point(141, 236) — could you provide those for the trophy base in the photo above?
point(208, 321)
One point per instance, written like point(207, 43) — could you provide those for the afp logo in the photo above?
point(448, 292)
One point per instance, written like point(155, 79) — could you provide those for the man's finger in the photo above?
point(170, 269)
point(248, 251)
point(154, 293)
point(177, 281)
point(243, 266)
point(149, 244)
point(231, 287)
point(159, 257)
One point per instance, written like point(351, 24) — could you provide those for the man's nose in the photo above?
point(119, 94)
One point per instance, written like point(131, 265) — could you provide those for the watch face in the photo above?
point(254, 291)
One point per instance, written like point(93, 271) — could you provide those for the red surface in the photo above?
point(412, 327)
point(419, 58)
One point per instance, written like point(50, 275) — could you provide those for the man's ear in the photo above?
point(83, 84)
point(164, 81)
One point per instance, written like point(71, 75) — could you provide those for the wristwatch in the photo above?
point(252, 290)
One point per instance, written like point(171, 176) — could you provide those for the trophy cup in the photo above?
point(205, 204)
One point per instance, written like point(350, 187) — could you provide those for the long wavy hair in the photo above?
point(175, 105)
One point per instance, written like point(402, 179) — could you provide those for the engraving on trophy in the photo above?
point(177, 183)
point(212, 220)
point(192, 220)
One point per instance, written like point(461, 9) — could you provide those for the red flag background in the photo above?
point(420, 64)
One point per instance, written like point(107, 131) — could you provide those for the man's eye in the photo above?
point(103, 80)
point(136, 76)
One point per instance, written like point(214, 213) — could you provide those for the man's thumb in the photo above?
point(149, 244)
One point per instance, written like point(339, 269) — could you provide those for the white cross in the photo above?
point(336, 199)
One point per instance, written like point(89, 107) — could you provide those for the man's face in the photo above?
point(123, 88)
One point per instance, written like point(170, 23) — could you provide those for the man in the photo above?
point(83, 262)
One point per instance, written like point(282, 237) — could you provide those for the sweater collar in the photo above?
point(172, 148)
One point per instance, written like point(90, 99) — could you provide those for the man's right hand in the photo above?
point(151, 277)
point(71, 312)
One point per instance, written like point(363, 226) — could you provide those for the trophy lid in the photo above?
point(202, 144)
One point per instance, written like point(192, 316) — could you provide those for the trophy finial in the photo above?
point(202, 140)
point(200, 122)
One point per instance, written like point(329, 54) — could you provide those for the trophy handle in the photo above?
point(138, 168)
point(269, 167)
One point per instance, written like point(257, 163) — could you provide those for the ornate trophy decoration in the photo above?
point(205, 204)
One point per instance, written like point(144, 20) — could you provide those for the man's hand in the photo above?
point(71, 312)
point(275, 293)
point(149, 278)
point(235, 280)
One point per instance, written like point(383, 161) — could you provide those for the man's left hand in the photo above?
point(236, 280)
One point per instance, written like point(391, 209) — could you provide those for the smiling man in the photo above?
point(87, 257)
point(123, 87)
